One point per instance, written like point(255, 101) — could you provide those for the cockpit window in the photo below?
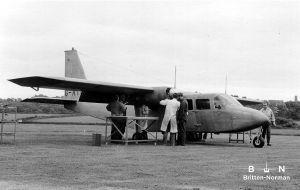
point(202, 104)
point(224, 101)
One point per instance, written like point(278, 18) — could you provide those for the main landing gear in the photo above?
point(140, 136)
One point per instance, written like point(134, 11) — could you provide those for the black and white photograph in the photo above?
point(149, 94)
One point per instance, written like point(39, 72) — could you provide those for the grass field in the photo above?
point(61, 157)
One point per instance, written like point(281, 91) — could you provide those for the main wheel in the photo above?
point(134, 136)
point(145, 135)
point(258, 142)
point(140, 136)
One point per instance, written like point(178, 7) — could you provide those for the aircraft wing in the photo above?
point(49, 100)
point(92, 91)
point(247, 102)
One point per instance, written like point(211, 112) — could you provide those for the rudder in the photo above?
point(73, 69)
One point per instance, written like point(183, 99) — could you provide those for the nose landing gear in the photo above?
point(259, 141)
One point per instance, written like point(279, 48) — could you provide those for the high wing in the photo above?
point(248, 102)
point(91, 91)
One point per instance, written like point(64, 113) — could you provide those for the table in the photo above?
point(130, 120)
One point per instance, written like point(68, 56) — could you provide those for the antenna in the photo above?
point(175, 78)
point(226, 84)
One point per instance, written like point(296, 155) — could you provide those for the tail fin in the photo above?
point(73, 69)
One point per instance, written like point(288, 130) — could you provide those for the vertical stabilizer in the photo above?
point(73, 69)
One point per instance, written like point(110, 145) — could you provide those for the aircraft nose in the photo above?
point(260, 118)
point(248, 119)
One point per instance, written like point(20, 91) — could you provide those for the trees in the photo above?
point(293, 110)
point(23, 107)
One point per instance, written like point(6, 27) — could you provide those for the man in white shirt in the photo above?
point(267, 128)
point(170, 117)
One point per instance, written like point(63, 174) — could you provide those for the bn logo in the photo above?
point(281, 169)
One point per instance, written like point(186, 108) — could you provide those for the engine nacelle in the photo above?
point(152, 100)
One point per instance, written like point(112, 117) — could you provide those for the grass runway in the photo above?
point(61, 157)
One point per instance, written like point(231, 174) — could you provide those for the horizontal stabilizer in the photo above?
point(49, 100)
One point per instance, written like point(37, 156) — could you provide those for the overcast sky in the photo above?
point(256, 43)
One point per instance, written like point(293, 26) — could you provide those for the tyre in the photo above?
point(145, 135)
point(140, 136)
point(134, 136)
point(258, 142)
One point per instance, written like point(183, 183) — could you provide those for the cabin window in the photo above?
point(202, 104)
point(190, 104)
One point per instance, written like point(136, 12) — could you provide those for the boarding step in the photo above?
point(237, 137)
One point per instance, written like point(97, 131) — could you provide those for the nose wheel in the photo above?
point(258, 142)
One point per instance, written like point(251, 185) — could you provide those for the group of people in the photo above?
point(175, 118)
point(118, 108)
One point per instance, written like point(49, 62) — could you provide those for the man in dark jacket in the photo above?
point(117, 108)
point(181, 119)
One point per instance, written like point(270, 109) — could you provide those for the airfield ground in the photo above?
point(61, 157)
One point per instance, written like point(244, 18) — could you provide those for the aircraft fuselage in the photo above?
point(215, 113)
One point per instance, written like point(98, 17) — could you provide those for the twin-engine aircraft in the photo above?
point(207, 113)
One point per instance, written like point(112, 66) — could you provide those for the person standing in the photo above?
point(168, 93)
point(181, 119)
point(145, 112)
point(116, 108)
point(170, 117)
point(123, 101)
point(124, 121)
point(267, 128)
point(141, 125)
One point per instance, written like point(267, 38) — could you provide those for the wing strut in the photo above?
point(35, 88)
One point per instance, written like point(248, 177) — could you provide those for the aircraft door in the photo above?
point(202, 117)
point(191, 117)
